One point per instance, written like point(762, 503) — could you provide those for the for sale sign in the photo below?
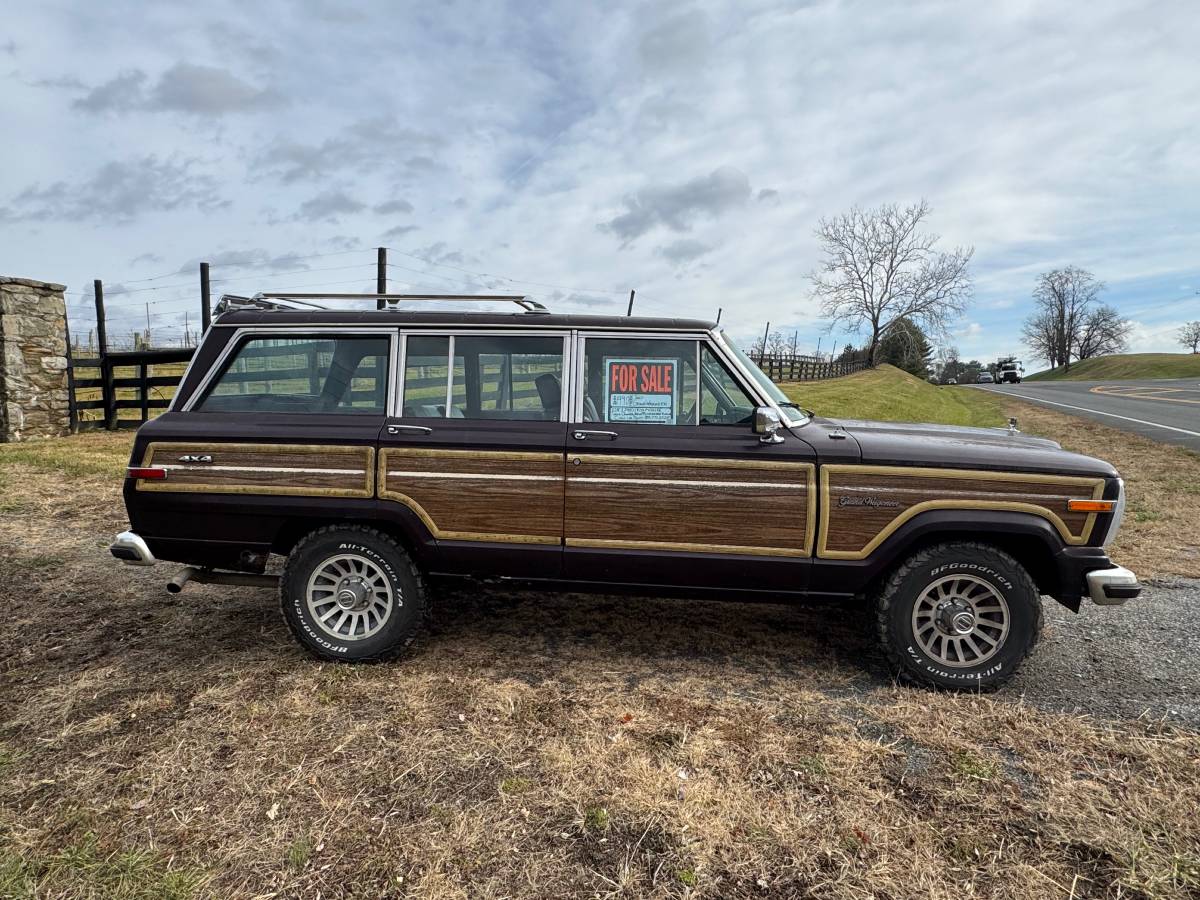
point(641, 390)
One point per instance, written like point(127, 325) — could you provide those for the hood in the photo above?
point(902, 443)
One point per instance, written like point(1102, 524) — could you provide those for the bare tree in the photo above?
point(1189, 335)
point(880, 268)
point(1101, 332)
point(1040, 332)
point(1066, 299)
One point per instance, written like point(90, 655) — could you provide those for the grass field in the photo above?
point(1126, 365)
point(549, 746)
point(892, 395)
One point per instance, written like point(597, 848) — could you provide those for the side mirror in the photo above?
point(767, 425)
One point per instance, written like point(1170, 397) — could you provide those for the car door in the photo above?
point(473, 448)
point(666, 482)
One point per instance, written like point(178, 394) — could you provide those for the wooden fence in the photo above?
point(788, 367)
point(97, 399)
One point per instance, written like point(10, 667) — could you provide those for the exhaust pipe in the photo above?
point(208, 576)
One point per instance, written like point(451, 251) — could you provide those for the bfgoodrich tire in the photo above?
point(961, 616)
point(352, 594)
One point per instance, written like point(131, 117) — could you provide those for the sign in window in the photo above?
point(641, 390)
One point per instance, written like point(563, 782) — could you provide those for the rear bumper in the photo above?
point(1112, 587)
point(131, 550)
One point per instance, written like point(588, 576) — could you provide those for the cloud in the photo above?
point(374, 143)
point(399, 231)
point(208, 91)
point(683, 251)
point(680, 43)
point(393, 206)
point(120, 191)
point(255, 258)
point(120, 94)
point(768, 195)
point(329, 206)
point(677, 206)
point(185, 87)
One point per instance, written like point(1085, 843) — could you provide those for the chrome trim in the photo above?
point(1117, 575)
point(256, 330)
point(517, 324)
point(127, 540)
point(1118, 514)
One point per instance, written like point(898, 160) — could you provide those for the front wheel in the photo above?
point(351, 594)
point(958, 616)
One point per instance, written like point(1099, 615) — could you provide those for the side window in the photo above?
point(500, 377)
point(426, 369)
point(722, 400)
point(303, 375)
point(639, 380)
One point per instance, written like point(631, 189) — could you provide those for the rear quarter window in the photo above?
point(311, 374)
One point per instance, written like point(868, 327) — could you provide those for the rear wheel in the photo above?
point(351, 593)
point(959, 616)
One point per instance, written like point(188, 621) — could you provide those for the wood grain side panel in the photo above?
point(716, 506)
point(478, 496)
point(862, 505)
point(267, 469)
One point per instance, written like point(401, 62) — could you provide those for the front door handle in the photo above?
point(595, 435)
point(409, 429)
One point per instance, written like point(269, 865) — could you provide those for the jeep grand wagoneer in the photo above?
point(379, 449)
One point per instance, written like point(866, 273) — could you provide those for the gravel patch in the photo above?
point(1139, 659)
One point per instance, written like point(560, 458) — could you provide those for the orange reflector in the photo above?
point(1091, 505)
point(151, 474)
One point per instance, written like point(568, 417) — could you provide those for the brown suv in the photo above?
point(379, 449)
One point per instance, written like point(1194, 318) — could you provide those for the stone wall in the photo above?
point(33, 360)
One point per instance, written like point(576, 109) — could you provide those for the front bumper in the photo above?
point(1112, 587)
point(132, 550)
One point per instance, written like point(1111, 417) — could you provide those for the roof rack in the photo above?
point(285, 301)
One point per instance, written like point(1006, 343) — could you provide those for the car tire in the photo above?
point(958, 616)
point(352, 594)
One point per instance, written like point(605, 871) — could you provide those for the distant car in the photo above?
point(985, 378)
point(952, 381)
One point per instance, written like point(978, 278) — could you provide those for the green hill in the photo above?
point(1127, 365)
point(892, 395)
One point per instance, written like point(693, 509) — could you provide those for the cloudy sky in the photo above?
point(575, 151)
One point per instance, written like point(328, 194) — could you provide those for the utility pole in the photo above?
point(629, 312)
point(381, 275)
point(818, 348)
point(795, 338)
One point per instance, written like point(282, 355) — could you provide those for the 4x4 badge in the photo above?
point(194, 458)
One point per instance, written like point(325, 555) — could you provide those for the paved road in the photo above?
point(1166, 410)
point(1139, 659)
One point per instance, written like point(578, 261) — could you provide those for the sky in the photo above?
point(576, 151)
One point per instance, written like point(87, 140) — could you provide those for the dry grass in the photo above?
point(551, 747)
point(1159, 538)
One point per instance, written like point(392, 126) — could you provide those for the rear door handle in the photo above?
point(409, 429)
point(595, 435)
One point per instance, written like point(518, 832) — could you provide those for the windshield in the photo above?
point(770, 387)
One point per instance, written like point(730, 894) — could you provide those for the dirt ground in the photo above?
point(547, 746)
